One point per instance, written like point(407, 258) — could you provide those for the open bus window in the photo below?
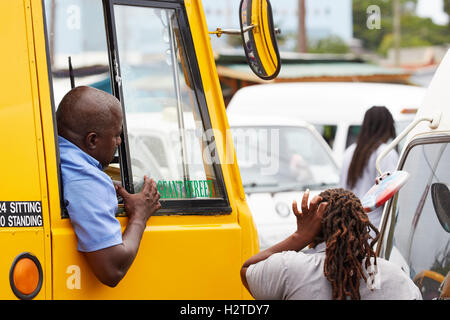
point(76, 29)
point(143, 56)
point(166, 135)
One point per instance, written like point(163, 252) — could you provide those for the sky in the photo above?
point(432, 9)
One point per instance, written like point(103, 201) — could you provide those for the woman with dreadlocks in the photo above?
point(340, 263)
point(358, 172)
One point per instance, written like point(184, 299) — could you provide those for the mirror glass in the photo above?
point(441, 203)
point(258, 35)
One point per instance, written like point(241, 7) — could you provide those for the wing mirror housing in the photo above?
point(258, 36)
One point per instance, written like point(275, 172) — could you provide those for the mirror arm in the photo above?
point(220, 31)
point(434, 123)
point(237, 32)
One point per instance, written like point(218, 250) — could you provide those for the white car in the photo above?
point(336, 109)
point(278, 159)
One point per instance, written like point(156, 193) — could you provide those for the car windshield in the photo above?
point(281, 158)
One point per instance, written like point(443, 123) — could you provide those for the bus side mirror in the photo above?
point(259, 38)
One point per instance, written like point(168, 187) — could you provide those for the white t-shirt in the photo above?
point(367, 180)
point(292, 275)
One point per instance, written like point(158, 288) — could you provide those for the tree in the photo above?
point(416, 31)
point(332, 44)
point(302, 39)
point(447, 11)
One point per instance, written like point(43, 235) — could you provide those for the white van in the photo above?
point(335, 109)
point(415, 228)
point(279, 158)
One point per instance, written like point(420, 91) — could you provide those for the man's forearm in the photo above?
point(111, 264)
point(132, 239)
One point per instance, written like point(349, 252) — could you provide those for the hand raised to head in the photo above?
point(309, 219)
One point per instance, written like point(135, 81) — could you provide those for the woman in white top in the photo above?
point(342, 264)
point(358, 172)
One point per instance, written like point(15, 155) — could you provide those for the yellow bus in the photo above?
point(155, 56)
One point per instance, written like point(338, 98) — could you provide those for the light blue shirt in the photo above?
point(90, 199)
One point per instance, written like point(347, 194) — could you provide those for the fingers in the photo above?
point(305, 201)
point(147, 185)
point(295, 208)
point(149, 188)
point(121, 191)
point(321, 209)
point(314, 204)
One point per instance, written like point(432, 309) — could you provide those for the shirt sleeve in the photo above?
point(266, 279)
point(92, 204)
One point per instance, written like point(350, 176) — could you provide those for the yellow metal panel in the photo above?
point(224, 143)
point(18, 163)
point(36, 48)
point(181, 257)
point(23, 173)
point(14, 242)
point(167, 265)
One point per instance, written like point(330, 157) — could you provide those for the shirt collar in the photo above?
point(66, 143)
point(321, 247)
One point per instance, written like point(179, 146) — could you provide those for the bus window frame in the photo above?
point(169, 207)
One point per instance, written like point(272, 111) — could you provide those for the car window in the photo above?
point(275, 158)
point(352, 135)
point(417, 240)
point(353, 132)
point(328, 132)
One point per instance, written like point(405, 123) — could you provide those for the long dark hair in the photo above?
point(346, 231)
point(377, 128)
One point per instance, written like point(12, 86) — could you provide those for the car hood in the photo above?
point(273, 215)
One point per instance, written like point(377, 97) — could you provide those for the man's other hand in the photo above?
point(142, 205)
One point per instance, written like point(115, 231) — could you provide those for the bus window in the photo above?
point(166, 119)
point(76, 29)
point(139, 54)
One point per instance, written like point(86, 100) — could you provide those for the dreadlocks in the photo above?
point(345, 228)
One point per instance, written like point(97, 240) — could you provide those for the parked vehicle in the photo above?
point(279, 158)
point(415, 228)
point(336, 109)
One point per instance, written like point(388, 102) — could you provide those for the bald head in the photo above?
point(84, 110)
point(92, 120)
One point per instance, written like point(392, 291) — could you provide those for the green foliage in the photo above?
point(332, 44)
point(415, 31)
point(447, 6)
